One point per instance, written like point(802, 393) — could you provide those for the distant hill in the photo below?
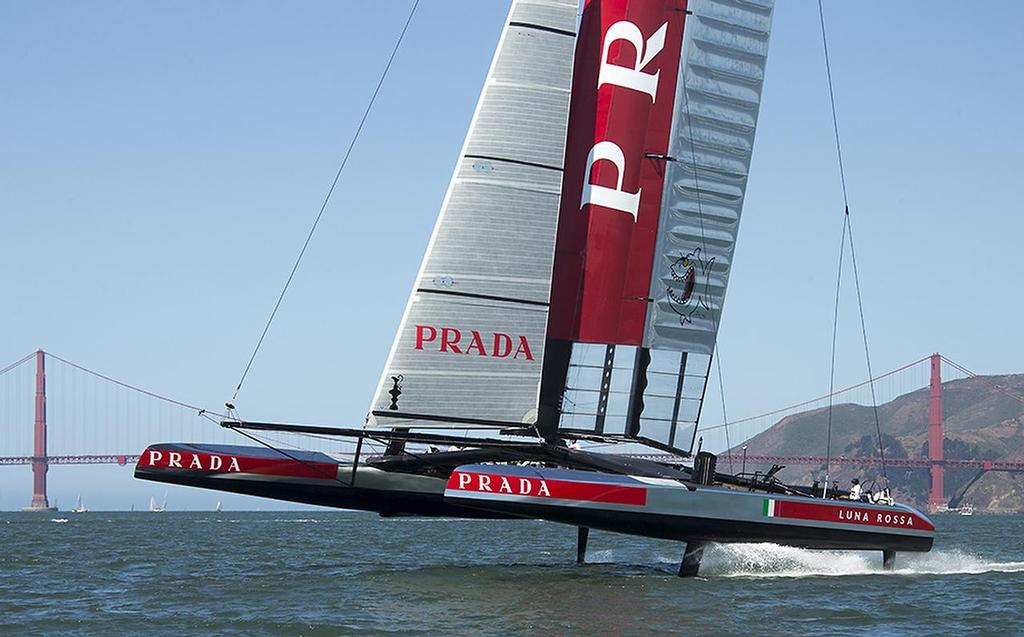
point(978, 422)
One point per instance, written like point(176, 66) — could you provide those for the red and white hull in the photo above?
point(669, 509)
point(301, 476)
point(653, 507)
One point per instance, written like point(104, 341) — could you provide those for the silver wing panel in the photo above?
point(724, 55)
point(470, 347)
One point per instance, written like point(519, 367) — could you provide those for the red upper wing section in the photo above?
point(623, 94)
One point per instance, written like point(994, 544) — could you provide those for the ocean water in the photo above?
point(342, 573)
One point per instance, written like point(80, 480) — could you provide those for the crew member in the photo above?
point(883, 497)
point(855, 489)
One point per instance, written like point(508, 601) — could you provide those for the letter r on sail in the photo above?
point(614, 198)
point(632, 77)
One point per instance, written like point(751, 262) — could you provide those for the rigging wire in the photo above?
point(309, 465)
point(846, 235)
point(704, 246)
point(867, 353)
point(327, 198)
point(832, 101)
point(832, 365)
point(721, 393)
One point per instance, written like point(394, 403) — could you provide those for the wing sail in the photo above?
point(470, 347)
point(641, 269)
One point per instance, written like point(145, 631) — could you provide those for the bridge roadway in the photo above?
point(916, 463)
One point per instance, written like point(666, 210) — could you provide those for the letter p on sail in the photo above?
point(613, 198)
point(424, 334)
point(632, 77)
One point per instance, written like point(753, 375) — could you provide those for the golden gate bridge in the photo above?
point(64, 405)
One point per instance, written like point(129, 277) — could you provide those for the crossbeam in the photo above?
point(853, 461)
point(915, 463)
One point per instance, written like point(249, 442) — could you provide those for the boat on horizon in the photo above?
point(157, 508)
point(571, 294)
point(79, 507)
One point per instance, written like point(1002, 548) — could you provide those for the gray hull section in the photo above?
point(669, 509)
point(646, 506)
point(309, 478)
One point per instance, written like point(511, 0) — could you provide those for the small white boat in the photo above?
point(79, 507)
point(157, 509)
point(967, 510)
point(218, 509)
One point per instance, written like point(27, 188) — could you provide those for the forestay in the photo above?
point(470, 346)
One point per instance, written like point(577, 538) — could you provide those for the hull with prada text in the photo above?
point(301, 476)
point(673, 510)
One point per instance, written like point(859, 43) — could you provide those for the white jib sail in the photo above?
point(469, 350)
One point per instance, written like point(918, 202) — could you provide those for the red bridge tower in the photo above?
point(40, 463)
point(936, 498)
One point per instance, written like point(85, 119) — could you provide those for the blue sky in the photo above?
point(160, 166)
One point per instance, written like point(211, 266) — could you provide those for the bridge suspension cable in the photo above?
point(806, 403)
point(998, 388)
point(17, 363)
point(200, 410)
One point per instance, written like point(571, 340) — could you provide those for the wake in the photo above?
point(772, 560)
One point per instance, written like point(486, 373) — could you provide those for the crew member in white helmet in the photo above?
point(883, 497)
point(855, 489)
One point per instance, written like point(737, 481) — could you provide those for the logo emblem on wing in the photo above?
point(689, 292)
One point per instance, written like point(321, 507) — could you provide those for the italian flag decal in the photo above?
point(768, 509)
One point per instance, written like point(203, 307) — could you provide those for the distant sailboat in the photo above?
point(158, 509)
point(79, 507)
point(967, 510)
point(218, 509)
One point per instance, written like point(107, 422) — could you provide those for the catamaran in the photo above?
point(572, 291)
point(79, 507)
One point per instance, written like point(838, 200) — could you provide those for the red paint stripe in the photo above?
point(498, 484)
point(603, 255)
point(171, 459)
point(894, 518)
